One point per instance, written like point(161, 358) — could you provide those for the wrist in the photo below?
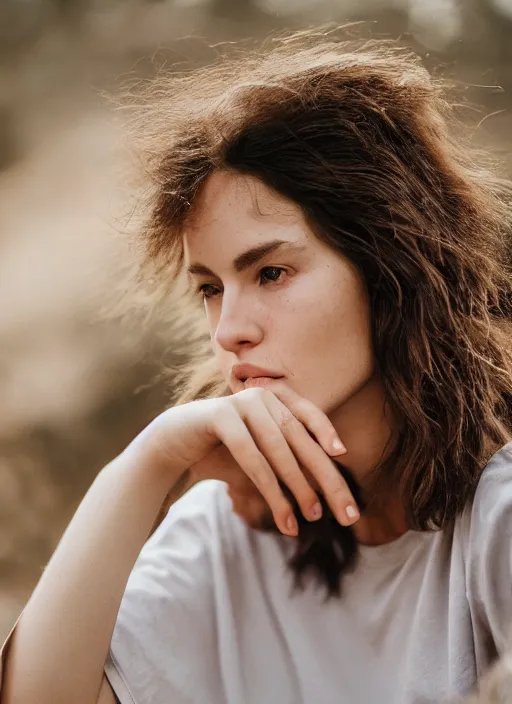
point(149, 455)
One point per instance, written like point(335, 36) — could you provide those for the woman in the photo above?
point(353, 417)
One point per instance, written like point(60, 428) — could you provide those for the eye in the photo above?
point(271, 274)
point(207, 290)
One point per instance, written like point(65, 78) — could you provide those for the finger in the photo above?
point(272, 443)
point(333, 485)
point(313, 458)
point(315, 420)
point(233, 432)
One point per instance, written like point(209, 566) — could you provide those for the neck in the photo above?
point(365, 425)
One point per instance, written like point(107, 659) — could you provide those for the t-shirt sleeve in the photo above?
point(164, 645)
point(489, 555)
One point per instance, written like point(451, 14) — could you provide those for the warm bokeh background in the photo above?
point(76, 382)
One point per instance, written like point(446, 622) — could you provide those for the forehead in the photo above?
point(236, 210)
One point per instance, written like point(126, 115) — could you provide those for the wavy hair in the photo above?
point(367, 143)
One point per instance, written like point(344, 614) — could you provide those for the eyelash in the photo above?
point(201, 290)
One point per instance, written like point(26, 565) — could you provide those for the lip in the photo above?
point(243, 372)
point(259, 381)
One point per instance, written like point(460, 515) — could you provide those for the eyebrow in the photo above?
point(246, 259)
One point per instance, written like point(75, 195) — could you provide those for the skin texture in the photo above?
point(301, 312)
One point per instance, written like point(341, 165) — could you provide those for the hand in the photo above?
point(266, 436)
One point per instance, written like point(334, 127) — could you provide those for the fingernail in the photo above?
point(292, 525)
point(316, 511)
point(339, 447)
point(352, 513)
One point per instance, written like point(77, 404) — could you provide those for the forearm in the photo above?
point(62, 639)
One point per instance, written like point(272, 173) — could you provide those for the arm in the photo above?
point(107, 695)
point(62, 639)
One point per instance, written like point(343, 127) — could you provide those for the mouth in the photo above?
point(251, 375)
point(253, 381)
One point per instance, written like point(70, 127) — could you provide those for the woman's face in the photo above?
point(275, 296)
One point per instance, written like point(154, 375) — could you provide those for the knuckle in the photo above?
point(223, 403)
point(286, 420)
point(253, 459)
point(222, 410)
point(251, 395)
point(275, 443)
point(304, 406)
point(266, 480)
point(289, 475)
point(339, 491)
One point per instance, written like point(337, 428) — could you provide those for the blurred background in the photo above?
point(77, 383)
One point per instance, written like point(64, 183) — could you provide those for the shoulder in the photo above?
point(493, 497)
point(487, 538)
point(204, 512)
point(203, 501)
point(492, 504)
point(177, 567)
point(164, 644)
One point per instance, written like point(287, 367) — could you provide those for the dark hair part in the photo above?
point(361, 138)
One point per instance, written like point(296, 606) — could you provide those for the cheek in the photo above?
point(331, 315)
point(331, 356)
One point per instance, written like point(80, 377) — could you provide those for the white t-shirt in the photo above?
point(207, 616)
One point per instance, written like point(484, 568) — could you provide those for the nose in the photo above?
point(237, 325)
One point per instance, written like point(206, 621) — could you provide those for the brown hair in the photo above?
point(361, 137)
